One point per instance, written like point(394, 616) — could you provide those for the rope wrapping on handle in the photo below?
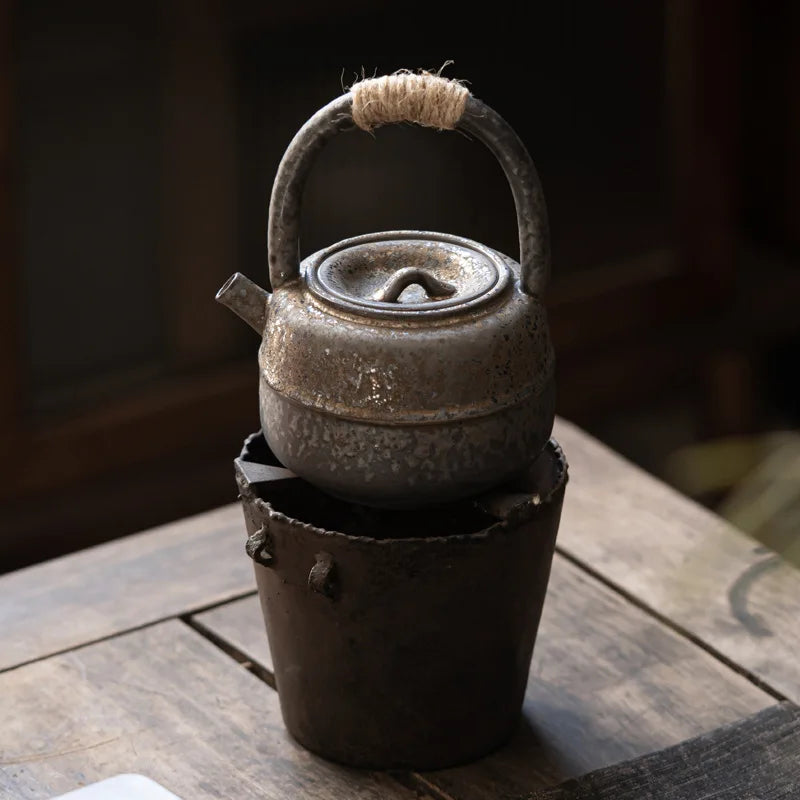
point(424, 98)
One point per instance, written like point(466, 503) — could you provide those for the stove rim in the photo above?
point(553, 449)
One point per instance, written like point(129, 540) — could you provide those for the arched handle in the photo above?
point(477, 119)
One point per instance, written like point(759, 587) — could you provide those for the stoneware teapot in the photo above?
point(403, 368)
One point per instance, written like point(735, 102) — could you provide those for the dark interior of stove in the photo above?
point(302, 501)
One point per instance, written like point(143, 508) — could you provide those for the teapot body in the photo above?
point(409, 408)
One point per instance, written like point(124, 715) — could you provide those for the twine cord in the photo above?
point(424, 98)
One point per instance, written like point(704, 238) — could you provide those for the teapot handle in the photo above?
point(477, 119)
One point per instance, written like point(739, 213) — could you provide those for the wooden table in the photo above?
point(148, 654)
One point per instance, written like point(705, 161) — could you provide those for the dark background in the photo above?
point(138, 142)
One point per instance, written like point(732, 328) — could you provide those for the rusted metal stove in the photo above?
point(400, 638)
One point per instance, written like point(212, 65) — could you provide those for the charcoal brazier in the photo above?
point(400, 638)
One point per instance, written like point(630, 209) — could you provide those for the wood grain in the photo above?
point(608, 682)
point(241, 624)
point(124, 584)
point(676, 557)
point(757, 757)
point(166, 703)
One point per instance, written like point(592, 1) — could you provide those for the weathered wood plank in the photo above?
point(241, 624)
point(608, 682)
point(121, 585)
point(756, 757)
point(166, 703)
point(682, 560)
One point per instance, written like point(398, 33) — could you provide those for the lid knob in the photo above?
point(391, 290)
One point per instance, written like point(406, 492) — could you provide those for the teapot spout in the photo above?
point(246, 299)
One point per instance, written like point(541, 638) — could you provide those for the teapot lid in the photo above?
point(407, 274)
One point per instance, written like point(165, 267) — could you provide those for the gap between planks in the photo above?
point(410, 780)
point(229, 649)
point(671, 624)
point(149, 624)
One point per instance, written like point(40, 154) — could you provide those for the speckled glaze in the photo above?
point(404, 368)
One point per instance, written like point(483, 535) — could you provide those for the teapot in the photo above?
point(404, 368)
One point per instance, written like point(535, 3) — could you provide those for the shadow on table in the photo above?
point(542, 752)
